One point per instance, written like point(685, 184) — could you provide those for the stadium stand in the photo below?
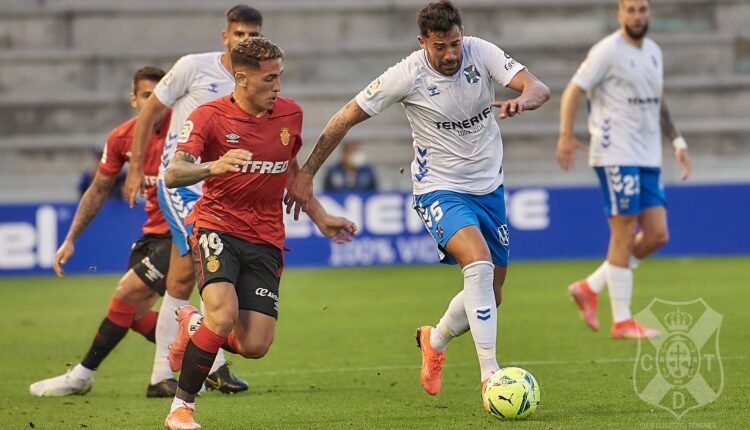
point(66, 66)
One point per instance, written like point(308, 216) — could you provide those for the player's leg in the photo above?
point(619, 189)
point(222, 311)
point(619, 275)
point(131, 296)
point(654, 233)
point(653, 219)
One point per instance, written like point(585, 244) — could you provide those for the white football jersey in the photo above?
point(194, 80)
point(624, 86)
point(457, 143)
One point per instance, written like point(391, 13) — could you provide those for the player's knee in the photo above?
point(222, 321)
point(660, 238)
point(255, 349)
point(180, 287)
point(130, 290)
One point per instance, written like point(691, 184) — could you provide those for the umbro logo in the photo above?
point(233, 138)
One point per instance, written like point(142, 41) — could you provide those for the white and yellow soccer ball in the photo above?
point(512, 393)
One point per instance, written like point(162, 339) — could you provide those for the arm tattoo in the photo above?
point(183, 171)
point(350, 115)
point(90, 204)
point(665, 119)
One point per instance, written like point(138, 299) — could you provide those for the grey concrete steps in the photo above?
point(96, 112)
point(344, 63)
point(196, 24)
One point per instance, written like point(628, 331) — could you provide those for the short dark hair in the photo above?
point(438, 17)
point(250, 52)
point(244, 14)
point(148, 73)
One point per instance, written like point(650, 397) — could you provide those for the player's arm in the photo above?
point(338, 229)
point(566, 141)
point(152, 113)
point(680, 146)
point(183, 170)
point(88, 208)
point(534, 93)
point(300, 191)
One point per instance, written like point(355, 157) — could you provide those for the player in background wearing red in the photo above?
point(248, 143)
point(140, 287)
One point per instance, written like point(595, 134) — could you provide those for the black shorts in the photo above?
point(149, 259)
point(253, 269)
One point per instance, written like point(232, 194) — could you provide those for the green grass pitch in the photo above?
point(345, 357)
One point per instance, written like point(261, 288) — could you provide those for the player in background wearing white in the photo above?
point(447, 91)
point(623, 80)
point(193, 80)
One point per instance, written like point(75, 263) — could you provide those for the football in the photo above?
point(512, 393)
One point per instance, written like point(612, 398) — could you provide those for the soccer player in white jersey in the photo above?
point(623, 80)
point(447, 91)
point(193, 80)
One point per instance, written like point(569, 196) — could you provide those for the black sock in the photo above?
point(151, 336)
point(195, 367)
point(107, 337)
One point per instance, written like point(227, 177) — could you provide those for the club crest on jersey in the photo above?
point(373, 88)
point(472, 74)
point(212, 265)
point(285, 136)
point(185, 132)
point(433, 90)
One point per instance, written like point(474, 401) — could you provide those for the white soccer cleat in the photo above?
point(63, 385)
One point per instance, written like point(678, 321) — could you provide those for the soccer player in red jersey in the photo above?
point(248, 143)
point(139, 288)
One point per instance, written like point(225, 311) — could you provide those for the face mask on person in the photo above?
point(359, 159)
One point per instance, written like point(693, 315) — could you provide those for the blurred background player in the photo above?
point(623, 79)
point(351, 173)
point(239, 229)
point(140, 287)
point(193, 80)
point(87, 177)
point(447, 90)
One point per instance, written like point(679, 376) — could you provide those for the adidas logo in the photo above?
point(233, 138)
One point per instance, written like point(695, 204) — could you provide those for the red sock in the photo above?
point(120, 313)
point(207, 340)
point(146, 325)
point(231, 344)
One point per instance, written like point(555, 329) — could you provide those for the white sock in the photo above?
point(81, 372)
point(479, 304)
point(454, 323)
point(633, 262)
point(620, 282)
point(178, 403)
point(166, 333)
point(220, 359)
point(598, 279)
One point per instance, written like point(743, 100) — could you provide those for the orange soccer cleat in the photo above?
point(586, 301)
point(181, 419)
point(632, 329)
point(432, 362)
point(177, 349)
point(485, 404)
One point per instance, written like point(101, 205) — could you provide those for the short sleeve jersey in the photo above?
point(193, 80)
point(247, 204)
point(117, 152)
point(624, 85)
point(457, 142)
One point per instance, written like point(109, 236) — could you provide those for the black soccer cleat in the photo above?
point(165, 388)
point(225, 381)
